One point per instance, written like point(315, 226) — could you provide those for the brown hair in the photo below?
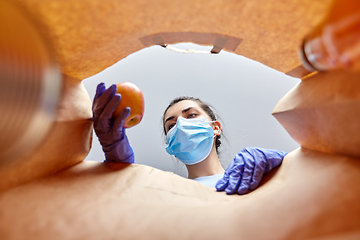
point(204, 106)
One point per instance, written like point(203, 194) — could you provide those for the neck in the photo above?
point(209, 166)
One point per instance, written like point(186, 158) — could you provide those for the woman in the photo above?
point(189, 118)
point(193, 136)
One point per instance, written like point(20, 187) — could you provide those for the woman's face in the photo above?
point(185, 109)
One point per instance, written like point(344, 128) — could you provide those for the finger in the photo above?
point(247, 174)
point(101, 101)
point(120, 119)
point(258, 172)
point(236, 167)
point(223, 183)
point(100, 89)
point(234, 180)
point(110, 107)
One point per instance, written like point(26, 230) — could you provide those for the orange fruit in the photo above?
point(132, 97)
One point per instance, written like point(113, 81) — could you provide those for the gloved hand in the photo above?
point(246, 170)
point(110, 131)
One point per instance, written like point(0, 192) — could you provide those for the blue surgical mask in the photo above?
point(190, 140)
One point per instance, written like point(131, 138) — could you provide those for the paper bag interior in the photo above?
point(311, 196)
point(54, 194)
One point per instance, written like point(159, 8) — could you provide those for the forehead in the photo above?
point(177, 108)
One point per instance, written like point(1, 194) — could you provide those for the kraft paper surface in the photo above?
point(68, 141)
point(322, 113)
point(311, 196)
point(53, 194)
point(91, 35)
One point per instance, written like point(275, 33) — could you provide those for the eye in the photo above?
point(192, 115)
point(171, 126)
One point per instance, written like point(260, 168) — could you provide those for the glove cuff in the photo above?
point(120, 152)
point(109, 159)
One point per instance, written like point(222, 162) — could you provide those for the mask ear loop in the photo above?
point(212, 121)
point(213, 129)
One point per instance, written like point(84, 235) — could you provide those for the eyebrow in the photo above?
point(183, 111)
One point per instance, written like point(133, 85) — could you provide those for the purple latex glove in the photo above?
point(110, 131)
point(246, 170)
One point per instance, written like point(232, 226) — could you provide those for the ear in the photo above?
point(217, 128)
